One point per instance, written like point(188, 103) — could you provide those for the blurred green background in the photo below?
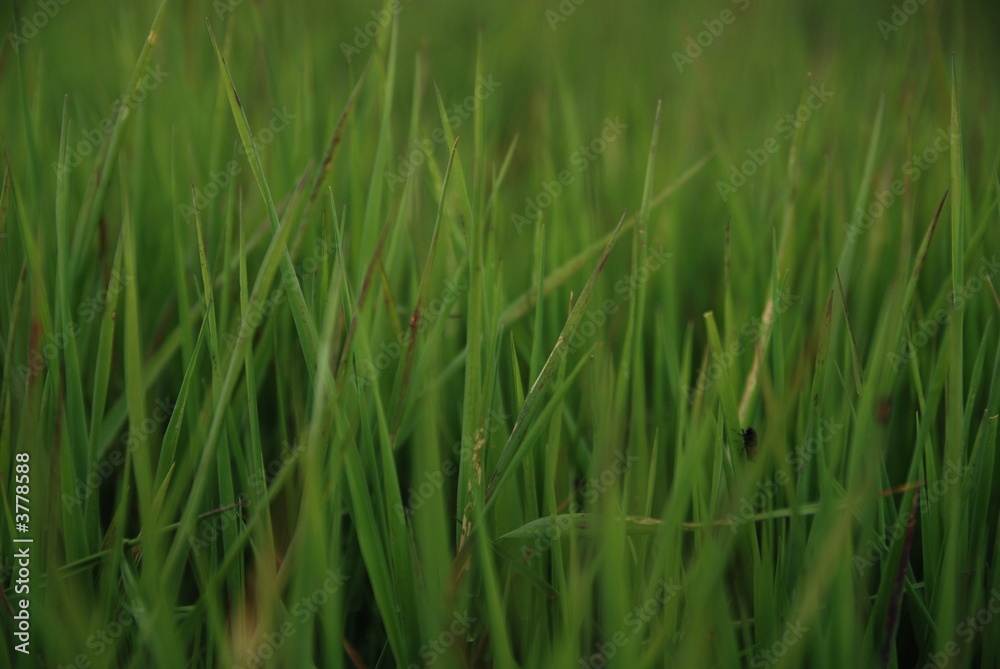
point(559, 82)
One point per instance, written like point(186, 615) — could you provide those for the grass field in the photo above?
point(455, 334)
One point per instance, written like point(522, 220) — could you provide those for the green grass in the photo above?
point(435, 348)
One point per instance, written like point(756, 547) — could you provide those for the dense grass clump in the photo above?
point(499, 335)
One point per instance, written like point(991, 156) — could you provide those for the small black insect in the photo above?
point(749, 441)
